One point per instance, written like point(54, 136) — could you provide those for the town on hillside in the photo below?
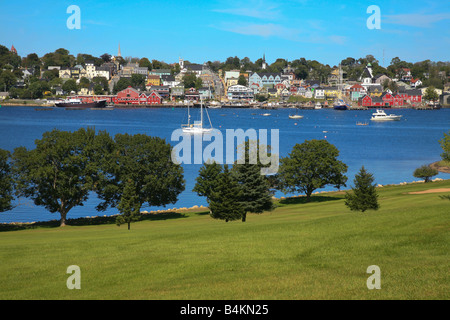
point(124, 82)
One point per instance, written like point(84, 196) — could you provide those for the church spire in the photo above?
point(119, 54)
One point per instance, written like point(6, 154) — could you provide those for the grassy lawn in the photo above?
point(319, 250)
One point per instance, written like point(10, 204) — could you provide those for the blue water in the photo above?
point(389, 150)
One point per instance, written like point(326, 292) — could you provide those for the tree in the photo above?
point(69, 86)
point(364, 196)
point(143, 165)
point(58, 173)
point(6, 182)
point(445, 144)
point(122, 84)
point(191, 81)
point(106, 57)
point(311, 165)
point(207, 179)
point(242, 81)
point(431, 94)
point(256, 195)
point(144, 62)
point(224, 201)
point(129, 205)
point(425, 172)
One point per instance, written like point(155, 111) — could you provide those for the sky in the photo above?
point(210, 30)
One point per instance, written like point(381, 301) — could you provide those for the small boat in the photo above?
point(266, 114)
point(78, 104)
point(296, 116)
point(362, 124)
point(318, 106)
point(380, 115)
point(340, 105)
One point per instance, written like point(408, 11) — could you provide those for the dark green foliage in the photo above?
point(425, 172)
point(129, 205)
point(6, 182)
point(57, 174)
point(445, 144)
point(364, 196)
point(256, 196)
point(207, 178)
point(311, 165)
point(144, 161)
point(224, 201)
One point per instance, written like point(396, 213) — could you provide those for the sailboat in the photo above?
point(296, 116)
point(197, 126)
point(339, 103)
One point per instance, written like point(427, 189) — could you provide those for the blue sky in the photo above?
point(198, 31)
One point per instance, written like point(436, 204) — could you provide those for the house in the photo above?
point(152, 80)
point(272, 92)
point(192, 95)
point(160, 72)
point(169, 80)
point(163, 91)
point(319, 93)
point(357, 91)
point(371, 102)
point(280, 87)
point(177, 91)
point(375, 91)
point(414, 83)
point(127, 96)
point(239, 92)
point(380, 79)
point(197, 69)
point(404, 74)
point(205, 93)
point(152, 98)
point(331, 92)
point(65, 73)
point(265, 78)
point(285, 94)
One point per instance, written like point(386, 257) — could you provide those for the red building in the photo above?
point(132, 96)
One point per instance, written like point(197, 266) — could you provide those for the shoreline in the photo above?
point(443, 169)
point(162, 214)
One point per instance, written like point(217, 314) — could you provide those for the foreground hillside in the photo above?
point(319, 250)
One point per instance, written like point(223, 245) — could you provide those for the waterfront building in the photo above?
point(239, 92)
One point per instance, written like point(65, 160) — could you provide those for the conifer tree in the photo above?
point(364, 196)
point(129, 205)
point(207, 178)
point(224, 200)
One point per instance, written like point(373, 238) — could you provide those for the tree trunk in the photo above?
point(63, 219)
point(244, 216)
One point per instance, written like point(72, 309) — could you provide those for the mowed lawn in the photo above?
point(319, 250)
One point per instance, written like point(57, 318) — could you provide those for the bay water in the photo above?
point(390, 150)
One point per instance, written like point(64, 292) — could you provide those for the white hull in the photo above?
point(380, 115)
point(296, 117)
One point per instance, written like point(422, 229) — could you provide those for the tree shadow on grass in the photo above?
point(313, 199)
point(92, 221)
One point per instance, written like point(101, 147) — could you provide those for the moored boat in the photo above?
point(380, 115)
point(77, 103)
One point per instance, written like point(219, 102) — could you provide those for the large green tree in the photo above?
point(137, 169)
point(425, 172)
point(311, 165)
point(6, 182)
point(57, 174)
point(364, 196)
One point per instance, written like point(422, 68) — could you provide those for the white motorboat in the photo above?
point(318, 106)
point(380, 115)
point(296, 116)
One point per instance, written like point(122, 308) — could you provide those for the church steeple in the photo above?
point(119, 54)
point(13, 50)
point(264, 64)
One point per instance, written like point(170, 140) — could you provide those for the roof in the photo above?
point(197, 67)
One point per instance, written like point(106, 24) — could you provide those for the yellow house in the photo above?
point(153, 80)
point(331, 92)
point(232, 82)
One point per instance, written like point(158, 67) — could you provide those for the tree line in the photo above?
point(128, 171)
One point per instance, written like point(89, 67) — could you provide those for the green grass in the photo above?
point(317, 250)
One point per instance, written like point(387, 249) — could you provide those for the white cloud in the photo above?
point(415, 19)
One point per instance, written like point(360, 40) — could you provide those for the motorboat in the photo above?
point(380, 115)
